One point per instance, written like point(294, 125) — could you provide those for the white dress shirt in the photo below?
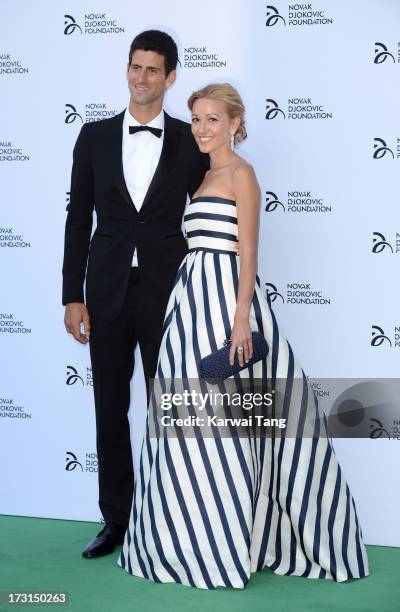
point(140, 156)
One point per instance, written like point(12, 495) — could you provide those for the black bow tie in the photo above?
point(143, 128)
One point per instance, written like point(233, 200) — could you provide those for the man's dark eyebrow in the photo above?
point(140, 66)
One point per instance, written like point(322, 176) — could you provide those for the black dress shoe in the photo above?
point(105, 541)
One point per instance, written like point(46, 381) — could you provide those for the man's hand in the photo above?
point(75, 314)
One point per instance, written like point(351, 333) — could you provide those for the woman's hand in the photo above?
point(241, 337)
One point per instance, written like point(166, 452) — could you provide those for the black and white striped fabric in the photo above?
point(209, 511)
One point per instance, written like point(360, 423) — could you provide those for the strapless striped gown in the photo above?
point(208, 512)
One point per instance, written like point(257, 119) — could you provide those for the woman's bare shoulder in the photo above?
point(240, 164)
point(243, 169)
point(244, 179)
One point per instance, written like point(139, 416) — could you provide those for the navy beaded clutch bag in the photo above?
point(217, 364)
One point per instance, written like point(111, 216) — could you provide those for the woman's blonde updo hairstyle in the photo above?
point(232, 99)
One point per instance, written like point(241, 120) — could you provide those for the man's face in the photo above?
point(147, 81)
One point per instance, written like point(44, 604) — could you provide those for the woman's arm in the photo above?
point(247, 196)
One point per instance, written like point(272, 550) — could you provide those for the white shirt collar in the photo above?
point(157, 122)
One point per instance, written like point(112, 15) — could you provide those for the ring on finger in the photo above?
point(240, 349)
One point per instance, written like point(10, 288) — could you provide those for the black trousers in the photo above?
point(112, 350)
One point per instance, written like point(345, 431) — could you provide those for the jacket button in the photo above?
point(142, 222)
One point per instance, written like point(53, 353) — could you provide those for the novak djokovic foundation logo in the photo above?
point(379, 431)
point(87, 464)
point(91, 23)
point(10, 239)
point(384, 150)
point(296, 108)
point(297, 293)
point(74, 377)
point(320, 390)
point(382, 54)
point(11, 65)
point(381, 245)
point(296, 201)
point(10, 153)
point(200, 56)
point(10, 325)
point(299, 14)
point(9, 409)
point(381, 338)
point(92, 111)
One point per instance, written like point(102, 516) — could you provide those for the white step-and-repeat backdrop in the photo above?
point(320, 82)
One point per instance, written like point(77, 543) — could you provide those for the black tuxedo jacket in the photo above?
point(97, 183)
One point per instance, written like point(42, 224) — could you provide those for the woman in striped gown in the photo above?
point(209, 510)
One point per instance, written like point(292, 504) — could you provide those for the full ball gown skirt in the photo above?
point(209, 511)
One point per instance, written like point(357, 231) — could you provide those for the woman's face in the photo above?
point(211, 124)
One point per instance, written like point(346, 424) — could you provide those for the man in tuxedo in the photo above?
point(135, 170)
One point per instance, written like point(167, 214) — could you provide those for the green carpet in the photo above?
point(45, 555)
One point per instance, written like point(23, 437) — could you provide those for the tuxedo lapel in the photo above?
point(168, 153)
point(115, 150)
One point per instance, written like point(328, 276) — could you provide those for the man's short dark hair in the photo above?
point(159, 42)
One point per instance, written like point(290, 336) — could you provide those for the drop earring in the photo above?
point(232, 142)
